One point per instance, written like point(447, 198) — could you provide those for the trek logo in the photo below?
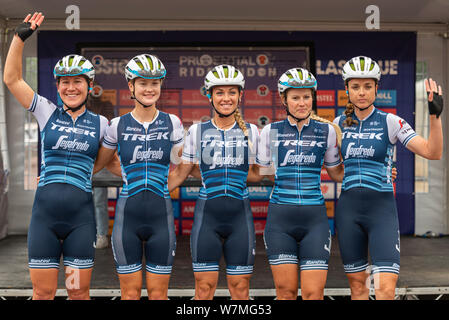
point(363, 135)
point(302, 143)
point(146, 155)
point(298, 158)
point(60, 128)
point(359, 152)
point(146, 137)
point(226, 144)
point(72, 145)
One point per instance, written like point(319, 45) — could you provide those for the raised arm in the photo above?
point(12, 76)
point(432, 148)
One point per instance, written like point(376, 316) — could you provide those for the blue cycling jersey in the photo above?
point(224, 157)
point(368, 148)
point(144, 150)
point(68, 147)
point(298, 157)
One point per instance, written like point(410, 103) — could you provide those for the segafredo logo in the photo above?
point(146, 155)
point(291, 158)
point(359, 152)
point(220, 161)
point(73, 145)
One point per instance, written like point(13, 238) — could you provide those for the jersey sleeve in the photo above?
point(110, 139)
point(42, 109)
point(177, 135)
point(332, 154)
point(399, 129)
point(190, 151)
point(253, 146)
point(337, 120)
point(263, 150)
point(103, 126)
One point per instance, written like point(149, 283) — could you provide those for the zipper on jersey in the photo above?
point(298, 152)
point(224, 163)
point(146, 158)
point(69, 153)
point(358, 160)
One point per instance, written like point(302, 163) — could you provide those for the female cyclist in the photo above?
point(297, 229)
point(366, 214)
point(224, 148)
point(145, 138)
point(62, 220)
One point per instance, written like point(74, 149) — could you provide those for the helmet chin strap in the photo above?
point(296, 118)
point(75, 109)
point(133, 97)
point(361, 109)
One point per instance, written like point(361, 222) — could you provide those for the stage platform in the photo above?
point(424, 272)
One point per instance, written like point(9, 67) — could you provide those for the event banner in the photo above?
point(183, 90)
point(262, 57)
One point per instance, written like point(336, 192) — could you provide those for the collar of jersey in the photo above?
point(68, 109)
point(230, 128)
point(149, 123)
point(372, 112)
point(293, 124)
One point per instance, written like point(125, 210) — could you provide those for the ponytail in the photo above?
point(239, 119)
point(336, 127)
point(348, 113)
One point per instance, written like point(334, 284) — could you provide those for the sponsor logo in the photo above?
point(386, 98)
point(146, 137)
point(133, 129)
point(111, 66)
point(303, 143)
point(73, 145)
point(298, 158)
point(325, 98)
point(60, 128)
point(359, 152)
point(146, 155)
point(219, 161)
point(363, 135)
point(226, 144)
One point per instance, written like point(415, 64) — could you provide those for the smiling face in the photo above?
point(73, 90)
point(362, 92)
point(147, 91)
point(299, 101)
point(226, 98)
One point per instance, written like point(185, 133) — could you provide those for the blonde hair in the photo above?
point(239, 119)
point(336, 127)
point(348, 113)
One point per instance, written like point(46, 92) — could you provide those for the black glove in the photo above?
point(24, 30)
point(436, 105)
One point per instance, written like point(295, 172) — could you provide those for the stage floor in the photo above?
point(424, 264)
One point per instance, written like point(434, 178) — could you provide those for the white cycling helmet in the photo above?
point(145, 66)
point(361, 67)
point(74, 65)
point(224, 75)
point(296, 78)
